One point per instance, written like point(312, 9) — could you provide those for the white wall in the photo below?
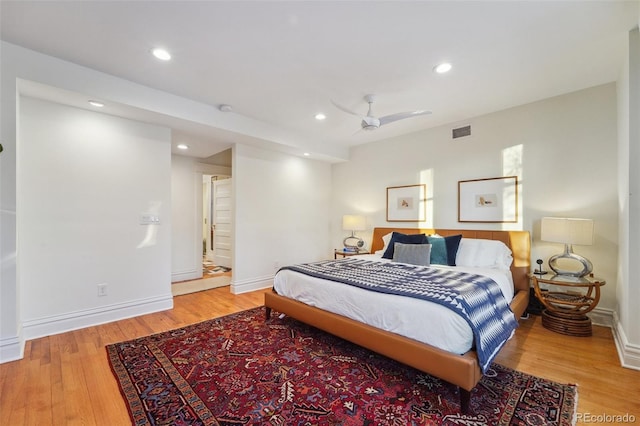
point(622, 289)
point(281, 214)
point(16, 66)
point(186, 207)
point(84, 180)
point(562, 148)
point(186, 219)
point(627, 332)
point(11, 341)
point(633, 324)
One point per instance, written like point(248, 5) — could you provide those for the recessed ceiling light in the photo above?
point(443, 68)
point(96, 104)
point(320, 116)
point(161, 54)
point(182, 146)
point(306, 154)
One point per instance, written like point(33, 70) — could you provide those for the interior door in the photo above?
point(222, 222)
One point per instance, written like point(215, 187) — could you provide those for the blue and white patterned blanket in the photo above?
point(476, 298)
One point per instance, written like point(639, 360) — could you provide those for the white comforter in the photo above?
point(424, 321)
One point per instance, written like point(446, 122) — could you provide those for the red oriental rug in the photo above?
point(243, 370)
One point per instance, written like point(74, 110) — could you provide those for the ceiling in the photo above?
point(278, 64)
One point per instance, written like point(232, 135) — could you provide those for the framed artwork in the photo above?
point(406, 203)
point(493, 200)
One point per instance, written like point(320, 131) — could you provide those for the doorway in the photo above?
point(216, 225)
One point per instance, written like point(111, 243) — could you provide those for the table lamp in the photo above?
point(568, 231)
point(353, 223)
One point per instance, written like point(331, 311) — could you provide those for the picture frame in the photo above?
point(406, 203)
point(491, 200)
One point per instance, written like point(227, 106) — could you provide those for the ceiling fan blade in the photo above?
point(401, 116)
point(345, 109)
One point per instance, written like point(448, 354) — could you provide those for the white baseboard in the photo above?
point(628, 353)
point(56, 324)
point(245, 286)
point(190, 274)
point(603, 317)
point(178, 289)
point(11, 349)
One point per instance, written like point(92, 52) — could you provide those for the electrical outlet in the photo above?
point(102, 289)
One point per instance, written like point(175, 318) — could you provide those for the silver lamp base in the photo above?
point(353, 242)
point(587, 267)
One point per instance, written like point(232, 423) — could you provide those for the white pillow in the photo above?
point(385, 239)
point(479, 253)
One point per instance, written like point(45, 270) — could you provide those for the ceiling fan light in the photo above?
point(370, 123)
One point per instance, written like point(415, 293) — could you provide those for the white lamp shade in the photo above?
point(567, 230)
point(354, 223)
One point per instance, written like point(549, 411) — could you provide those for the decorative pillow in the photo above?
point(481, 253)
point(385, 240)
point(415, 254)
point(438, 250)
point(397, 237)
point(444, 249)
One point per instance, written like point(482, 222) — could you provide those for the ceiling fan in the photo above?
point(371, 122)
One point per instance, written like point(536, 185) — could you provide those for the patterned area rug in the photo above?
point(243, 370)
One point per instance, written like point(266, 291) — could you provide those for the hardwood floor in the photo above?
point(66, 379)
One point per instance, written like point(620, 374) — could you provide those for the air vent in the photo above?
point(461, 132)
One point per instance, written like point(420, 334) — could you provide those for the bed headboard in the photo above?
point(518, 241)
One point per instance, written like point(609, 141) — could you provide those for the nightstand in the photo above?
point(565, 311)
point(341, 252)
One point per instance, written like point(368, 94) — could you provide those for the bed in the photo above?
point(460, 369)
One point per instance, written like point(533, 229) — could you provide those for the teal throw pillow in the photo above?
point(444, 249)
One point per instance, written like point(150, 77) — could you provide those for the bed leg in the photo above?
point(268, 313)
point(465, 399)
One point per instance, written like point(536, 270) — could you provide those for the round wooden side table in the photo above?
point(341, 252)
point(565, 311)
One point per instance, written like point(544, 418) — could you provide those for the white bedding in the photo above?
point(433, 324)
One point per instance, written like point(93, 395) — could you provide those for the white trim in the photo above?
point(245, 286)
point(212, 169)
point(11, 349)
point(628, 353)
point(186, 275)
point(56, 324)
point(601, 316)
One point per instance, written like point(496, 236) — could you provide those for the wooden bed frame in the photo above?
point(461, 370)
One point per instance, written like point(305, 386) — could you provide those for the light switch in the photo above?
point(149, 219)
